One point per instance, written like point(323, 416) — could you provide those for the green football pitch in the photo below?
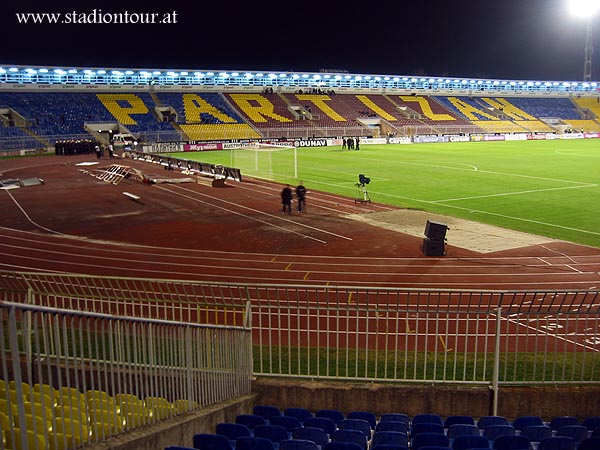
point(547, 188)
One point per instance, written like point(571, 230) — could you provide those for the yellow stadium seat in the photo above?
point(5, 421)
point(107, 416)
point(34, 441)
point(133, 420)
point(59, 441)
point(186, 405)
point(65, 390)
point(80, 432)
point(72, 399)
point(96, 394)
point(127, 398)
point(161, 407)
point(135, 408)
point(101, 430)
point(72, 412)
point(151, 402)
point(34, 397)
point(26, 388)
point(35, 423)
point(46, 389)
point(38, 410)
point(106, 405)
point(5, 405)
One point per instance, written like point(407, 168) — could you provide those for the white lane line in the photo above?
point(212, 205)
point(29, 218)
point(237, 205)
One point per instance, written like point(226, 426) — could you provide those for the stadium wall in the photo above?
point(545, 401)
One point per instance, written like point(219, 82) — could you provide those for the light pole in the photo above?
point(586, 9)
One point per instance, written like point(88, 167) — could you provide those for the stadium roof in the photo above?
point(23, 75)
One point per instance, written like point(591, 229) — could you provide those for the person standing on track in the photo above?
point(301, 197)
point(286, 199)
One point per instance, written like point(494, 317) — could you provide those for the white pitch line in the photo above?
point(503, 194)
point(507, 174)
point(471, 210)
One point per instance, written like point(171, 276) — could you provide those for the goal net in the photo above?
point(275, 162)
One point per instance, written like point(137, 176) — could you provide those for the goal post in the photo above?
point(272, 161)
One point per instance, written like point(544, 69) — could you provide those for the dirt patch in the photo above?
point(461, 233)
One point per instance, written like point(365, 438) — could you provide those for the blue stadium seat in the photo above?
point(455, 420)
point(486, 421)
point(388, 447)
point(342, 445)
point(526, 421)
point(466, 442)
point(507, 442)
point(577, 432)
point(355, 436)
point(389, 438)
point(266, 411)
point(429, 439)
point(563, 421)
point(250, 420)
point(333, 414)
point(537, 433)
point(364, 415)
point(317, 435)
point(274, 433)
point(288, 422)
point(297, 444)
point(462, 429)
point(207, 441)
point(591, 443)
point(395, 417)
point(426, 427)
point(254, 443)
point(493, 432)
point(298, 413)
point(427, 418)
point(325, 423)
point(356, 424)
point(591, 423)
point(558, 443)
point(233, 431)
point(389, 425)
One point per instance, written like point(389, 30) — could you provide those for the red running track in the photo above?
point(76, 223)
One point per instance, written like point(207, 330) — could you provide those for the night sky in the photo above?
point(498, 39)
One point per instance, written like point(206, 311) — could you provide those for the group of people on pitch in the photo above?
point(287, 198)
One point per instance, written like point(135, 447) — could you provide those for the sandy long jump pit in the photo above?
point(461, 233)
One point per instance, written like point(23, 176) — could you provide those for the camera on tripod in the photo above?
point(363, 195)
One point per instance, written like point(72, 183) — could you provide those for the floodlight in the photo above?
point(584, 8)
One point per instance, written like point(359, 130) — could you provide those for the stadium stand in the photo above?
point(39, 119)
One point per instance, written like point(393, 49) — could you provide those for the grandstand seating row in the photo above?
point(212, 116)
point(269, 428)
point(66, 417)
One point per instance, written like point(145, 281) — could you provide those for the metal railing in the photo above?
point(491, 338)
point(74, 378)
point(357, 333)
